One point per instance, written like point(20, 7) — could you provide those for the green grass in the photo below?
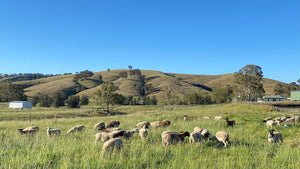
point(248, 146)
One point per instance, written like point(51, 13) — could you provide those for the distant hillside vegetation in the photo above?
point(159, 82)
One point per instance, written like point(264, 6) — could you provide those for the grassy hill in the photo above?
point(179, 84)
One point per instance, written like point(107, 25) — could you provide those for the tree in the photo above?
point(73, 102)
point(84, 100)
point(10, 92)
point(129, 67)
point(105, 96)
point(250, 82)
point(222, 95)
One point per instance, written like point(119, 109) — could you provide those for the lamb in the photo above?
point(170, 137)
point(274, 137)
point(115, 143)
point(75, 129)
point(154, 124)
point(195, 137)
point(218, 117)
point(144, 132)
point(51, 132)
point(29, 130)
point(185, 118)
point(113, 124)
point(103, 136)
point(99, 125)
point(164, 123)
point(129, 133)
point(141, 124)
point(222, 136)
point(230, 123)
point(271, 123)
point(205, 134)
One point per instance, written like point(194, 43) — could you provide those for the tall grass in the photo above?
point(248, 141)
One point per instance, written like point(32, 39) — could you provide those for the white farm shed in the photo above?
point(20, 105)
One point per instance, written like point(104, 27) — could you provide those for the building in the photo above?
point(20, 105)
point(295, 95)
point(275, 98)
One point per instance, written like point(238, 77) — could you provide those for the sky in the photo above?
point(198, 37)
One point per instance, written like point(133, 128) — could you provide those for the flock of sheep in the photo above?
point(111, 135)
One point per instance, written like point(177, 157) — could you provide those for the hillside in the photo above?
point(179, 84)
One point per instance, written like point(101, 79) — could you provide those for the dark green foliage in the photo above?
point(73, 102)
point(44, 100)
point(197, 98)
point(222, 95)
point(84, 100)
point(105, 96)
point(10, 92)
point(83, 75)
point(123, 74)
point(58, 99)
point(285, 89)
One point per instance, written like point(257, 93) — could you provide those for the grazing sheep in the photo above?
point(29, 130)
point(109, 130)
point(51, 132)
point(141, 124)
point(206, 117)
point(267, 119)
point(274, 137)
point(170, 137)
point(218, 117)
point(115, 143)
point(197, 129)
point(229, 123)
point(164, 123)
point(271, 123)
point(154, 124)
point(144, 132)
point(222, 136)
point(113, 124)
point(205, 134)
point(76, 128)
point(129, 133)
point(103, 136)
point(185, 118)
point(99, 125)
point(195, 137)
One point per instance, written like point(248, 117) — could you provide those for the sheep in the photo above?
point(229, 123)
point(129, 133)
point(103, 136)
point(99, 125)
point(144, 132)
point(274, 137)
point(271, 123)
point(109, 130)
point(115, 143)
point(164, 123)
point(154, 124)
point(223, 137)
point(29, 130)
point(267, 119)
point(76, 128)
point(50, 131)
point(113, 124)
point(141, 124)
point(170, 137)
point(206, 117)
point(197, 129)
point(185, 118)
point(195, 136)
point(218, 117)
point(205, 134)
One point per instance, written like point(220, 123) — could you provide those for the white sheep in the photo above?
point(185, 118)
point(274, 137)
point(144, 132)
point(206, 117)
point(99, 125)
point(271, 123)
point(103, 136)
point(76, 128)
point(115, 143)
point(222, 136)
point(155, 124)
point(51, 132)
point(218, 117)
point(197, 129)
point(29, 130)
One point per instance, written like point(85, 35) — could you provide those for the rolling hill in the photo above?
point(179, 84)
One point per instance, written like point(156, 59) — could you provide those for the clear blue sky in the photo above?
point(191, 37)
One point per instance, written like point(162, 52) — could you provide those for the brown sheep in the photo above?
point(76, 128)
point(99, 125)
point(115, 143)
point(164, 123)
point(170, 137)
point(113, 124)
point(103, 136)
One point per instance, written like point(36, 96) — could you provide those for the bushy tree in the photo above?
point(73, 102)
point(58, 99)
point(222, 95)
point(250, 82)
point(105, 96)
point(84, 100)
point(10, 92)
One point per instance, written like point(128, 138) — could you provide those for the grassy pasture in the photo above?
point(248, 146)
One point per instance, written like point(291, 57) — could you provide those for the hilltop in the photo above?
point(179, 84)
